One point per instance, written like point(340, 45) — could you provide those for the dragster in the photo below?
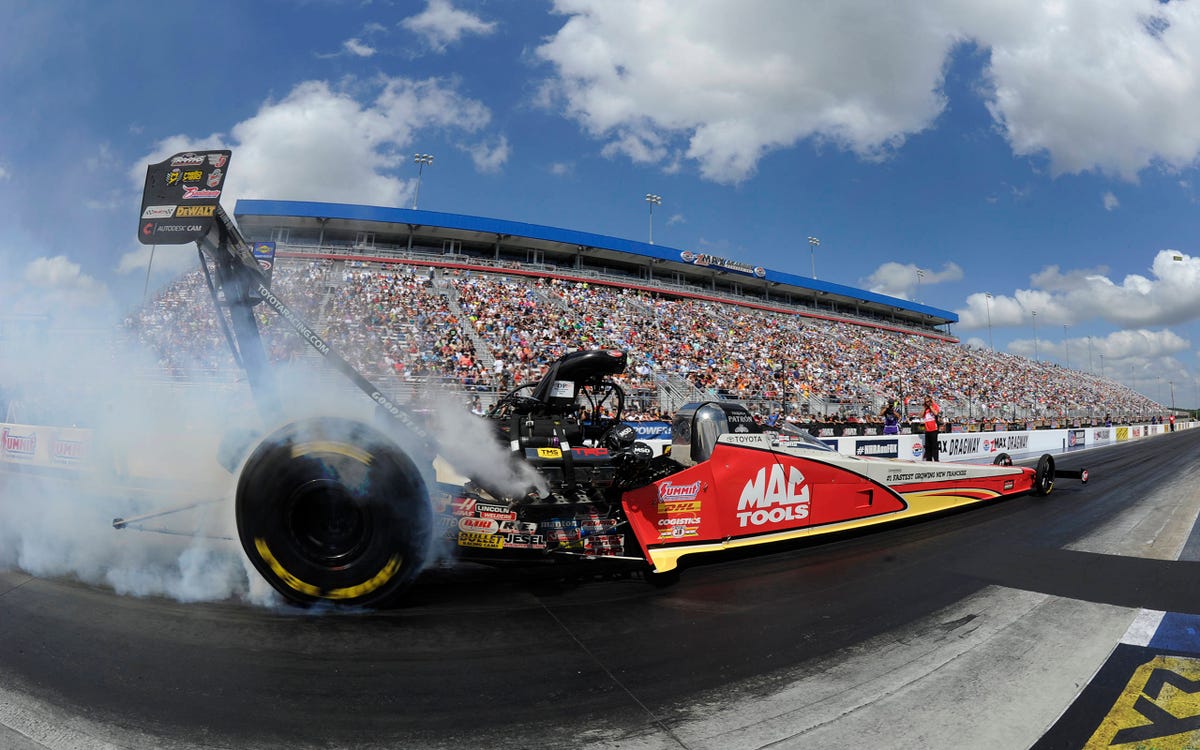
point(335, 510)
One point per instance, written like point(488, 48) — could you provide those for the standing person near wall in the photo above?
point(930, 417)
point(891, 420)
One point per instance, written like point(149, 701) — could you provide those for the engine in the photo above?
point(567, 426)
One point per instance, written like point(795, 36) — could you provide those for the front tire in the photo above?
point(330, 510)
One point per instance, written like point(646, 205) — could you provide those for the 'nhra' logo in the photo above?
point(20, 446)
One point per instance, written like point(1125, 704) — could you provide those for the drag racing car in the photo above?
point(335, 510)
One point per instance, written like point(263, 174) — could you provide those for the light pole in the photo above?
point(1101, 365)
point(1067, 345)
point(813, 244)
point(653, 200)
point(1091, 364)
point(1036, 356)
point(420, 160)
point(987, 300)
point(920, 275)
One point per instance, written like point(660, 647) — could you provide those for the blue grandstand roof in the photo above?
point(314, 210)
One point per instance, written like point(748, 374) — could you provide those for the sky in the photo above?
point(1029, 165)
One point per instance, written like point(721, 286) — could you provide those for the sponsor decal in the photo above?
point(1075, 438)
point(168, 228)
point(67, 451)
point(158, 212)
point(193, 175)
point(517, 527)
point(878, 448)
point(1103, 434)
point(524, 541)
point(959, 446)
point(495, 512)
point(918, 450)
point(685, 506)
point(1157, 708)
point(485, 541)
point(174, 176)
point(669, 491)
point(215, 178)
point(188, 160)
point(462, 506)
point(18, 445)
point(217, 160)
point(754, 439)
point(1009, 484)
point(1122, 433)
point(704, 259)
point(586, 453)
point(193, 192)
point(772, 497)
point(148, 229)
point(903, 475)
point(478, 525)
point(1005, 443)
point(562, 389)
point(549, 453)
point(653, 430)
point(190, 212)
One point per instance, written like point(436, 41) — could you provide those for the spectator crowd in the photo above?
point(409, 325)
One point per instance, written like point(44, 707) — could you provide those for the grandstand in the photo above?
point(417, 299)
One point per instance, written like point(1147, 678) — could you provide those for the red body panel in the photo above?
point(744, 492)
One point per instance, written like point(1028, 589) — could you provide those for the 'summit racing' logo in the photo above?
point(18, 446)
point(773, 499)
point(668, 492)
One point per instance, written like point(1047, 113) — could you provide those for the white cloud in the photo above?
point(323, 144)
point(1109, 85)
point(562, 168)
point(1169, 295)
point(902, 280)
point(161, 260)
point(441, 24)
point(358, 48)
point(489, 156)
point(1110, 201)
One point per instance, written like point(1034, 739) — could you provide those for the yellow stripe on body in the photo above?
point(919, 503)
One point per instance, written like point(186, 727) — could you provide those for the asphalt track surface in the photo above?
point(527, 658)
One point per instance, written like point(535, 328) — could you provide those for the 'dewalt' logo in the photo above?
point(16, 445)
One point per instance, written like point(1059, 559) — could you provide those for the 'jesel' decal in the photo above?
point(772, 497)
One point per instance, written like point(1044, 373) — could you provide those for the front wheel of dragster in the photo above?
point(1043, 475)
point(1003, 459)
point(331, 510)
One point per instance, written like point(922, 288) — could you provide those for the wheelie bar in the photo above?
point(1080, 474)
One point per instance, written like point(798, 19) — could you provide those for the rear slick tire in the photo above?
point(331, 510)
point(1043, 475)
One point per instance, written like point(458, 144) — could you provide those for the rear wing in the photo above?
point(181, 203)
